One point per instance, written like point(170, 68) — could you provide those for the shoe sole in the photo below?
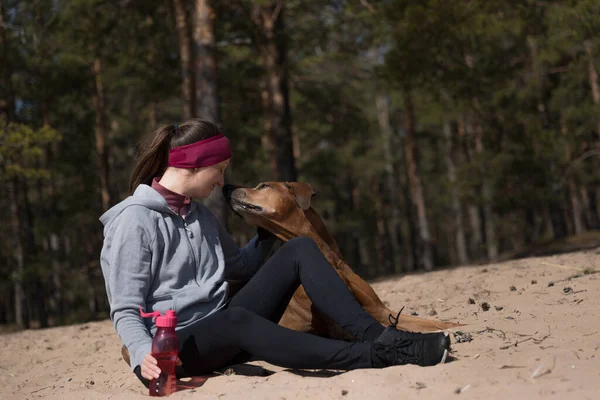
point(447, 346)
point(443, 361)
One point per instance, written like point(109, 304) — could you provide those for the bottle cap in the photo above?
point(169, 320)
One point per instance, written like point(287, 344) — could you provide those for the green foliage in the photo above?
point(22, 150)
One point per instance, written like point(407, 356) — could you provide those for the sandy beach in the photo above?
point(539, 338)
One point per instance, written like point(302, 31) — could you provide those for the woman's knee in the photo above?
point(302, 243)
point(236, 316)
point(301, 250)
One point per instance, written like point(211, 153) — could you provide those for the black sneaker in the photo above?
point(401, 347)
point(423, 349)
point(412, 335)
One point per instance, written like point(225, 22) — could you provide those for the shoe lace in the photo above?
point(394, 320)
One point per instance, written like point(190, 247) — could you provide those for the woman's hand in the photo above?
point(263, 234)
point(150, 368)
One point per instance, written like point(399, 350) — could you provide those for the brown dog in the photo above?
point(283, 208)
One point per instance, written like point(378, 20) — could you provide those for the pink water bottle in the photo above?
point(164, 349)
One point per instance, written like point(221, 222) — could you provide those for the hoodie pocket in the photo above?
point(160, 303)
point(184, 298)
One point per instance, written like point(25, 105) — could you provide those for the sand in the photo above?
point(539, 339)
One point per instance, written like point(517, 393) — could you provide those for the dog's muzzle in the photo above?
point(228, 190)
point(235, 203)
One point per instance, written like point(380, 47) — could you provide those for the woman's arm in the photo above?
point(243, 263)
point(126, 265)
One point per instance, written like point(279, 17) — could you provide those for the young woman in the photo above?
point(162, 251)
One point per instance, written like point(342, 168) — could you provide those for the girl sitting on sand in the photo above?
point(162, 250)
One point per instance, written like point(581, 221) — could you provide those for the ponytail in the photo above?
point(153, 158)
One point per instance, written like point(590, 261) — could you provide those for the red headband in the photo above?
point(200, 154)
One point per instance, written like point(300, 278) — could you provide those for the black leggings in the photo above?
point(248, 328)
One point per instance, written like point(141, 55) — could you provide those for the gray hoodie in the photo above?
point(154, 258)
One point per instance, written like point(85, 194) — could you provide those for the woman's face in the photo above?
point(204, 180)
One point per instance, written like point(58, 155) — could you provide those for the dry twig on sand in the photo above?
point(39, 390)
point(536, 341)
point(501, 335)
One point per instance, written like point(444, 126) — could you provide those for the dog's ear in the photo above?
point(303, 192)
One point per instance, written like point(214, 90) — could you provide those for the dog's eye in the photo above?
point(263, 185)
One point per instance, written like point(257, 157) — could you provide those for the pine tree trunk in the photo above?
point(40, 302)
point(412, 257)
point(38, 293)
point(69, 264)
point(51, 242)
point(473, 213)
point(406, 227)
point(273, 49)
point(350, 248)
point(7, 97)
point(296, 150)
point(595, 87)
point(593, 78)
point(585, 206)
point(576, 206)
point(3, 311)
point(268, 139)
point(476, 230)
point(488, 216)
point(57, 292)
point(152, 107)
point(101, 136)
point(207, 99)
point(531, 231)
point(21, 311)
point(555, 209)
point(387, 141)
point(92, 295)
point(360, 242)
point(576, 210)
point(425, 246)
point(592, 200)
point(188, 90)
point(7, 111)
point(457, 214)
point(384, 264)
point(40, 276)
point(55, 251)
point(557, 220)
point(205, 71)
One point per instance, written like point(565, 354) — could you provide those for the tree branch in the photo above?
point(590, 153)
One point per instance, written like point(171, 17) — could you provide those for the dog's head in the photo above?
point(269, 201)
point(284, 209)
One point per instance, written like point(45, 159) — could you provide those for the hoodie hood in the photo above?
point(145, 196)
